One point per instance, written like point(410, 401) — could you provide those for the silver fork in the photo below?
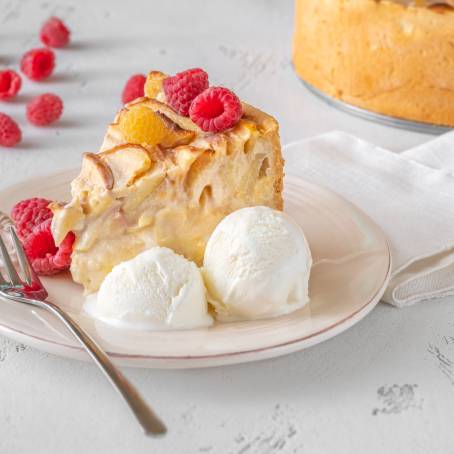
point(30, 290)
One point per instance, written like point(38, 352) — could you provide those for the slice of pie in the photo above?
point(160, 180)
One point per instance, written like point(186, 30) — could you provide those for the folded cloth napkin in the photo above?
point(436, 154)
point(409, 195)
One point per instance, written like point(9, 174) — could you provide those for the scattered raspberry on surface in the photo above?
point(216, 109)
point(134, 88)
point(182, 88)
point(44, 109)
point(10, 133)
point(10, 83)
point(54, 33)
point(29, 213)
point(38, 64)
point(46, 258)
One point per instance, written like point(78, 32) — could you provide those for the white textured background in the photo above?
point(385, 386)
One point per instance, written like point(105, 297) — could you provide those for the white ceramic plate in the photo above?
point(350, 273)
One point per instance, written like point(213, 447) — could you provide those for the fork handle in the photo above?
point(149, 421)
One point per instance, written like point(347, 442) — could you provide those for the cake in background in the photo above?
point(391, 57)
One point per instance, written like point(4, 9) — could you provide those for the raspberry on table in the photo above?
point(134, 88)
point(10, 83)
point(182, 88)
point(54, 33)
point(38, 64)
point(45, 257)
point(44, 109)
point(216, 109)
point(29, 213)
point(10, 133)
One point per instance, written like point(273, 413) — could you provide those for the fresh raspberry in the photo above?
point(10, 133)
point(44, 109)
point(134, 88)
point(10, 83)
point(182, 88)
point(54, 33)
point(141, 125)
point(38, 64)
point(47, 258)
point(216, 109)
point(29, 213)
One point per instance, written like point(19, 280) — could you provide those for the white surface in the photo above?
point(387, 385)
point(413, 204)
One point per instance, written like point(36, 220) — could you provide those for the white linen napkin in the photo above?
point(409, 195)
point(436, 154)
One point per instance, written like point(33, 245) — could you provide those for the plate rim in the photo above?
point(170, 361)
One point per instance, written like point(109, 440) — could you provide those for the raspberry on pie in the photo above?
point(181, 89)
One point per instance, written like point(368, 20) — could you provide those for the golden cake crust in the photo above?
point(383, 56)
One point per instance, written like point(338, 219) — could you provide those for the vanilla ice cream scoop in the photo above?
point(257, 265)
point(158, 289)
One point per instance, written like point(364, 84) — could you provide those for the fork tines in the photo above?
point(14, 278)
point(30, 278)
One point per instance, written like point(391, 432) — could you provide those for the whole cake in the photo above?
point(394, 58)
